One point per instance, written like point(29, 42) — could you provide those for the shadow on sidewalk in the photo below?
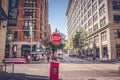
point(21, 76)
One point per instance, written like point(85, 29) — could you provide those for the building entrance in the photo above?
point(117, 51)
point(105, 51)
point(27, 49)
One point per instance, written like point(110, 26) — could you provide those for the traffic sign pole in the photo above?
point(56, 40)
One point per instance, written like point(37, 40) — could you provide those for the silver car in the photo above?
point(60, 55)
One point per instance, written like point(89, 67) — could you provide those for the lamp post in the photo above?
point(31, 35)
point(31, 38)
point(40, 43)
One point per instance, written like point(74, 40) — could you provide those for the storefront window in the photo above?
point(118, 50)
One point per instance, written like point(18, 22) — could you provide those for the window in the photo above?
point(95, 17)
point(103, 36)
point(30, 12)
point(85, 1)
point(116, 5)
point(28, 23)
point(89, 13)
point(102, 22)
point(82, 21)
point(100, 1)
point(118, 50)
point(116, 18)
point(89, 3)
point(89, 22)
point(102, 10)
point(15, 35)
point(82, 7)
point(27, 35)
point(96, 39)
point(94, 7)
point(93, 1)
point(41, 8)
point(85, 9)
point(95, 27)
point(31, 2)
point(85, 18)
point(90, 31)
point(82, 14)
point(85, 26)
point(90, 40)
point(117, 33)
point(0, 22)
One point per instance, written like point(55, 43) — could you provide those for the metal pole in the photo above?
point(31, 35)
point(13, 71)
point(31, 38)
point(5, 72)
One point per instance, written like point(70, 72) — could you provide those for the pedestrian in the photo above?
point(27, 57)
point(118, 59)
point(94, 57)
point(35, 56)
point(56, 55)
point(48, 56)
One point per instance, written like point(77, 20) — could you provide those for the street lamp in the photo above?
point(40, 43)
point(31, 35)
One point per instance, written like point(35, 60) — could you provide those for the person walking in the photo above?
point(56, 55)
point(48, 56)
point(94, 57)
point(27, 57)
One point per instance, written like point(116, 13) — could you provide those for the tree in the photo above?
point(48, 43)
point(69, 43)
point(79, 38)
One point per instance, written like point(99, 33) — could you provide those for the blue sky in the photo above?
point(57, 17)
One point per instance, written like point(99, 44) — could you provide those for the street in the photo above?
point(70, 69)
point(65, 39)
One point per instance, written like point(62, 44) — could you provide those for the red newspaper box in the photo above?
point(54, 70)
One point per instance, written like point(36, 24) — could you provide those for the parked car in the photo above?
point(60, 55)
point(37, 54)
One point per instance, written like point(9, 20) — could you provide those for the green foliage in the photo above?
point(69, 43)
point(77, 40)
point(48, 44)
point(60, 46)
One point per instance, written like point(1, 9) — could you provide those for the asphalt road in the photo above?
point(70, 69)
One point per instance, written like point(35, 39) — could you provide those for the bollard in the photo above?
point(54, 70)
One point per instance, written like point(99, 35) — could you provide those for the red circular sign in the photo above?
point(56, 38)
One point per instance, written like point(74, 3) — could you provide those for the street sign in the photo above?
point(9, 37)
point(56, 38)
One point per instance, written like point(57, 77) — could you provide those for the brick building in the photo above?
point(28, 26)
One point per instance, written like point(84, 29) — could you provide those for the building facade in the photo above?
point(27, 27)
point(101, 21)
point(3, 28)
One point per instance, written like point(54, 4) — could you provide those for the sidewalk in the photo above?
point(98, 60)
point(21, 76)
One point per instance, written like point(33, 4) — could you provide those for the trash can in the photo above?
point(54, 70)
